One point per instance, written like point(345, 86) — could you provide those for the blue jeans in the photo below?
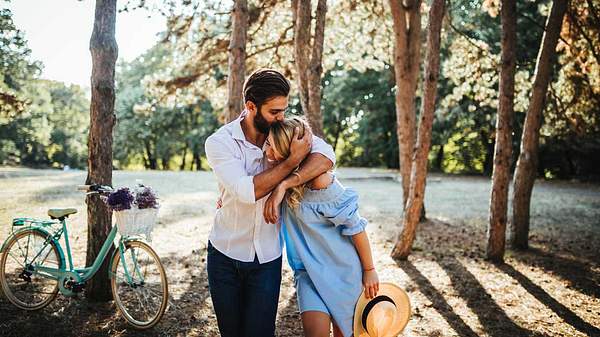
point(244, 294)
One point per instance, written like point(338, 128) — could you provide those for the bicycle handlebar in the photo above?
point(95, 188)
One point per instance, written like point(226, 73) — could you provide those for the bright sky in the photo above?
point(58, 33)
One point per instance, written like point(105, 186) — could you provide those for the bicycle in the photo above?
point(33, 267)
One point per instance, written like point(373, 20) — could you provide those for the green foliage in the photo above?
point(360, 117)
point(15, 66)
point(152, 132)
point(42, 123)
point(168, 99)
point(51, 130)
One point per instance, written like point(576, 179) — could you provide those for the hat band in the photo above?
point(370, 306)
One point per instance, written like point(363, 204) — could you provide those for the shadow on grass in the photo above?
point(494, 320)
point(185, 314)
point(492, 317)
point(541, 295)
point(579, 274)
point(438, 301)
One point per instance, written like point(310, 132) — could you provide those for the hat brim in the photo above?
point(403, 312)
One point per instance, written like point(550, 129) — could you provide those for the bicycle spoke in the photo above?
point(17, 261)
point(142, 300)
point(27, 248)
point(45, 257)
point(29, 290)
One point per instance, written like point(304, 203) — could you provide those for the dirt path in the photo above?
point(551, 290)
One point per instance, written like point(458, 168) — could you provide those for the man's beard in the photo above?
point(261, 124)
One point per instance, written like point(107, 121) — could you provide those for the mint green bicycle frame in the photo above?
point(80, 274)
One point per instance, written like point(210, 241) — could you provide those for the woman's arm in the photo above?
point(370, 278)
point(313, 166)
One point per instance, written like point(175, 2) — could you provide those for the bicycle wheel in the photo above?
point(142, 297)
point(22, 285)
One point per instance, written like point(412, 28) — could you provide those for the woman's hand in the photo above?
point(371, 283)
point(271, 210)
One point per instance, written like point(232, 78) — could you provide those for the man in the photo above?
point(244, 252)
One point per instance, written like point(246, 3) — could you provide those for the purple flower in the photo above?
point(120, 199)
point(146, 198)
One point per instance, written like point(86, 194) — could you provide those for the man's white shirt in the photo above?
point(239, 230)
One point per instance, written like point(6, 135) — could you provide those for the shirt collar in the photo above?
point(237, 132)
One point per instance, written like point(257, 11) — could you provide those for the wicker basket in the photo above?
point(136, 221)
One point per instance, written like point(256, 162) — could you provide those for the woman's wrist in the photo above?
point(372, 268)
point(291, 181)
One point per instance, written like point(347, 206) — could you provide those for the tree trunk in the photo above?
point(197, 161)
point(525, 172)
point(237, 59)
point(103, 48)
point(150, 154)
point(502, 154)
point(308, 59)
point(488, 160)
point(414, 205)
point(165, 163)
point(183, 155)
point(407, 57)
point(439, 158)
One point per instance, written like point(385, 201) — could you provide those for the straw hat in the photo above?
point(385, 315)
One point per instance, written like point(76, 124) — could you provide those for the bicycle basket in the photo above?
point(136, 221)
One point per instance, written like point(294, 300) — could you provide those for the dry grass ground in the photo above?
point(551, 290)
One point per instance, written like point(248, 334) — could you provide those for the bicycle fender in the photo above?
point(61, 254)
point(116, 251)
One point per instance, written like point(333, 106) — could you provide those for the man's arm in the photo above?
point(318, 162)
point(267, 180)
point(313, 166)
point(231, 173)
point(321, 160)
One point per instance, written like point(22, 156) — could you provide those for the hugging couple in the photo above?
point(277, 185)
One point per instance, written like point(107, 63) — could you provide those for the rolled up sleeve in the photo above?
point(320, 146)
point(229, 169)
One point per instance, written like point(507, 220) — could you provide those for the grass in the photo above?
point(550, 290)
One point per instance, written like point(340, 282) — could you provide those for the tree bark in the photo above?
point(103, 48)
point(439, 158)
point(152, 164)
point(197, 160)
point(407, 57)
point(308, 59)
point(237, 59)
point(496, 232)
point(183, 155)
point(525, 172)
point(418, 176)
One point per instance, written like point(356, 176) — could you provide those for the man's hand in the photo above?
point(300, 147)
point(271, 210)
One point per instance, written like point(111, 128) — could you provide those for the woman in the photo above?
point(327, 246)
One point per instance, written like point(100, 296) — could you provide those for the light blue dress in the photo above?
point(327, 269)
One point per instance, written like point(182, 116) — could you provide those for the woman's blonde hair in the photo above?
point(282, 133)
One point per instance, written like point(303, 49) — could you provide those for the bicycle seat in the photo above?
point(57, 213)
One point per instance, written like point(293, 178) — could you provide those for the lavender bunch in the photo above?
point(145, 198)
point(120, 199)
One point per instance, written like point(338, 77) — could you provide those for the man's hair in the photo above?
point(264, 84)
